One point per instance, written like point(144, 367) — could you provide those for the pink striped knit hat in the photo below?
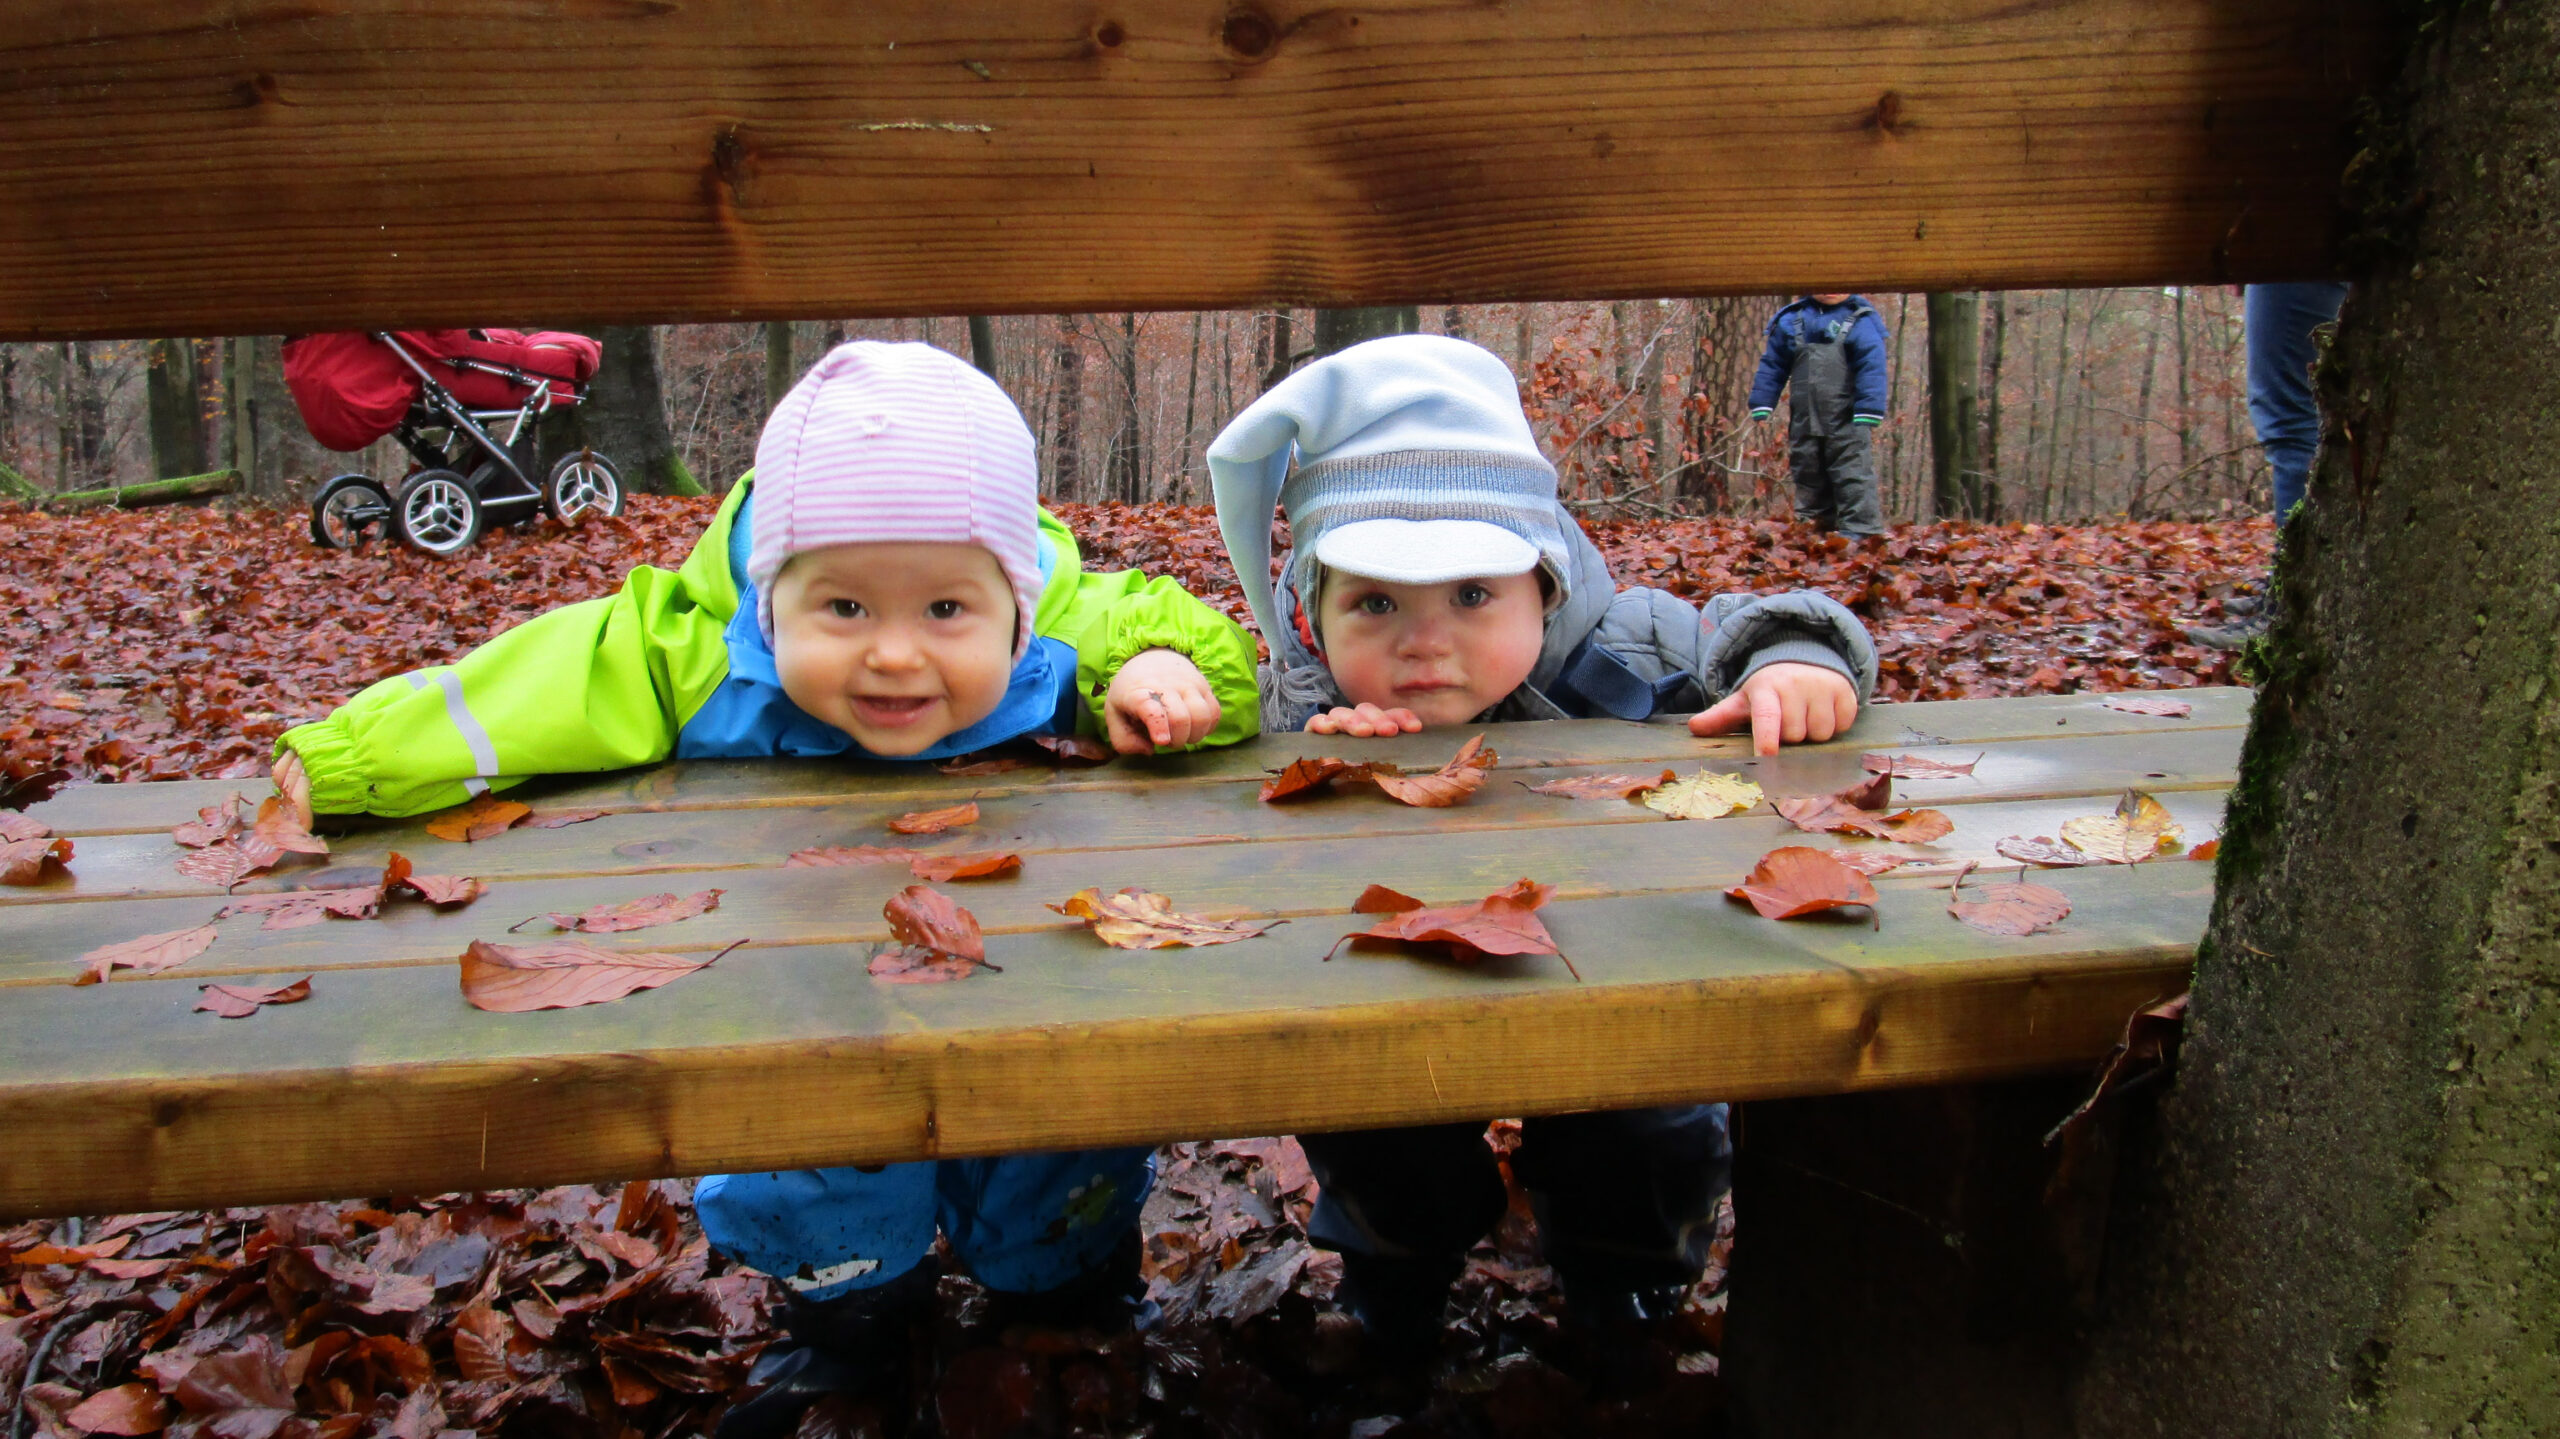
point(883, 442)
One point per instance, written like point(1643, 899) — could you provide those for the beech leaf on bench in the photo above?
point(640, 913)
point(1854, 811)
point(1303, 776)
point(1600, 786)
point(563, 974)
point(15, 826)
point(937, 939)
point(935, 821)
point(2149, 705)
point(23, 861)
point(842, 854)
point(1504, 922)
point(1074, 749)
point(213, 824)
point(1870, 861)
point(1917, 766)
point(1708, 794)
point(1142, 919)
point(560, 818)
point(976, 864)
point(150, 954)
point(229, 861)
point(239, 1001)
point(1795, 881)
point(280, 827)
point(1463, 775)
point(2138, 828)
point(484, 817)
point(2016, 909)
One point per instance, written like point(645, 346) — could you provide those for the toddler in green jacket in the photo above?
point(885, 586)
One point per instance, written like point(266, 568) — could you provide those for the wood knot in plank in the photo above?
point(1886, 117)
point(256, 90)
point(1249, 36)
point(1110, 35)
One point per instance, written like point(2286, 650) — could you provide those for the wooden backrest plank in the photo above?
point(208, 167)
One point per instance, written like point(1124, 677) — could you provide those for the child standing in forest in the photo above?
point(1828, 352)
point(1436, 580)
point(883, 585)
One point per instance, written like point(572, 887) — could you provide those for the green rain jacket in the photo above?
point(609, 683)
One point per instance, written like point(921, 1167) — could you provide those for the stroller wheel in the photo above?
point(438, 513)
point(582, 484)
point(348, 511)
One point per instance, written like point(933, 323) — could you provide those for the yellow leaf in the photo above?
point(2139, 828)
point(1704, 795)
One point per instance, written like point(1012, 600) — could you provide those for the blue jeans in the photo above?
point(2283, 410)
point(1026, 1223)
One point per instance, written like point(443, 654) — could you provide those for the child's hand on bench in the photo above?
point(1783, 702)
point(295, 785)
point(1159, 700)
point(1364, 721)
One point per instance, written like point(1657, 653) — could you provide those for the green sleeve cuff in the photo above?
point(338, 785)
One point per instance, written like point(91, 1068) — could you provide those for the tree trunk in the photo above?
point(2142, 422)
point(2186, 395)
point(1983, 502)
point(778, 374)
point(1341, 329)
point(1066, 445)
point(66, 438)
point(177, 410)
point(1274, 347)
point(1649, 393)
point(1190, 409)
point(1521, 360)
point(1955, 392)
point(1453, 322)
point(2057, 437)
point(2348, 1226)
point(625, 415)
point(982, 346)
point(287, 460)
point(1893, 401)
point(1124, 469)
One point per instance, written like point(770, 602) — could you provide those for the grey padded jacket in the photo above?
point(1632, 654)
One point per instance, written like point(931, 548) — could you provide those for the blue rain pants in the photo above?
point(2278, 322)
point(1024, 1223)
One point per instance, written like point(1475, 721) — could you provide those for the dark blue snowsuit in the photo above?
point(1831, 358)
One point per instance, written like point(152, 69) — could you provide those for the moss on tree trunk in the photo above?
point(2349, 1225)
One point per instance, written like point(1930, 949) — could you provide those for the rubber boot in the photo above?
point(1108, 1298)
point(859, 1344)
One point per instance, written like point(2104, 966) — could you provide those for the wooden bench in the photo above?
point(785, 1053)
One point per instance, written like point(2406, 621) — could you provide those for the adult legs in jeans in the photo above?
point(2280, 320)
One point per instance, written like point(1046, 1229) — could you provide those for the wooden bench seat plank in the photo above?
point(385, 1081)
point(134, 866)
point(1952, 724)
point(1639, 851)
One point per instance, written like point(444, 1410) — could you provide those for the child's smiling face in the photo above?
point(1445, 651)
point(898, 645)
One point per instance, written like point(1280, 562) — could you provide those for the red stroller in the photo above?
point(442, 394)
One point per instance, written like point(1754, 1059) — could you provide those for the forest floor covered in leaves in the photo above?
point(178, 642)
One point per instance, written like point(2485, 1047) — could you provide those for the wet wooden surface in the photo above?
point(785, 1052)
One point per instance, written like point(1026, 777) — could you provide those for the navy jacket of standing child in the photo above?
point(1436, 580)
point(1829, 352)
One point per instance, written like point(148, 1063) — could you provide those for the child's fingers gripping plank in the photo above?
point(1365, 721)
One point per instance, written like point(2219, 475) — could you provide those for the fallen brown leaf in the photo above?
point(1853, 811)
point(40, 1254)
point(2206, 850)
point(563, 973)
point(928, 919)
point(150, 954)
point(2015, 910)
point(14, 826)
point(935, 821)
point(640, 913)
point(1504, 922)
point(23, 861)
point(227, 862)
point(1463, 775)
point(297, 907)
point(213, 824)
point(280, 828)
point(239, 1001)
point(842, 854)
point(1141, 919)
point(1305, 775)
point(2149, 705)
point(2149, 1035)
point(1795, 881)
point(906, 964)
point(1074, 749)
point(1917, 766)
point(31, 789)
point(1599, 786)
point(126, 1409)
point(2044, 850)
point(977, 864)
point(561, 818)
point(993, 764)
point(1869, 861)
point(486, 815)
